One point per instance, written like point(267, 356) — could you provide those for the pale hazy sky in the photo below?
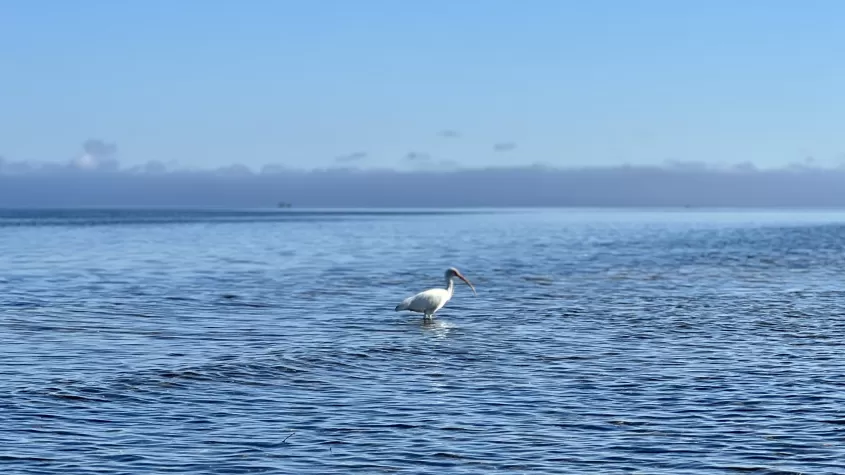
point(376, 82)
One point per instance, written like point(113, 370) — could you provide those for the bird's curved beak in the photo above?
point(468, 283)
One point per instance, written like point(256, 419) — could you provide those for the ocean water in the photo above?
point(601, 341)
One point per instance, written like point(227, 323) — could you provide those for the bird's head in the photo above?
point(452, 272)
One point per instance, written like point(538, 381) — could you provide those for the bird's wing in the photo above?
point(427, 301)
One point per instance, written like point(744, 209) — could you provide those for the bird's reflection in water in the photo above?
point(437, 327)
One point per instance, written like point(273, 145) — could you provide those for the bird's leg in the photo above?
point(426, 316)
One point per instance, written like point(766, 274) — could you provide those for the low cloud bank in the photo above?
point(99, 181)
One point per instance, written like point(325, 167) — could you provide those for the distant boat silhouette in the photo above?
point(282, 204)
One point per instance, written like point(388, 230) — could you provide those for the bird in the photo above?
point(430, 301)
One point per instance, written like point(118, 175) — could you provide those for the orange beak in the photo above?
point(468, 283)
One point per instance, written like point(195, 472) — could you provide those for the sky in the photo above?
point(429, 84)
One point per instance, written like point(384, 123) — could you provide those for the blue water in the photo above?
point(601, 341)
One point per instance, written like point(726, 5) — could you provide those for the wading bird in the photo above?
point(432, 300)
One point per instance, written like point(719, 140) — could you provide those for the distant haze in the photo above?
point(91, 183)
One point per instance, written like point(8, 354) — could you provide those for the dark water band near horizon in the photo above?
point(260, 341)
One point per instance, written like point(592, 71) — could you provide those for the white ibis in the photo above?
point(432, 300)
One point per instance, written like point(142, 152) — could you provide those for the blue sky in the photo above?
point(300, 83)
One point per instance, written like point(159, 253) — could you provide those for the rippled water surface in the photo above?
point(248, 342)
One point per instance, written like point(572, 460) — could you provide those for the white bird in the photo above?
point(432, 300)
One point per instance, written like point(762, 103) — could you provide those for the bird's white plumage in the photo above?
point(430, 301)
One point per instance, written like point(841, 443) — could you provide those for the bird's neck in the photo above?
point(450, 285)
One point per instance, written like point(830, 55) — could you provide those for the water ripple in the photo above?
point(242, 342)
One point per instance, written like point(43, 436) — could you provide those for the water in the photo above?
point(601, 341)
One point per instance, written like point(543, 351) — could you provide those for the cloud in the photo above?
point(685, 165)
point(236, 170)
point(95, 178)
point(745, 167)
point(449, 133)
point(417, 156)
point(271, 169)
point(9, 167)
point(671, 184)
point(155, 166)
point(504, 147)
point(98, 148)
point(351, 157)
point(96, 155)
